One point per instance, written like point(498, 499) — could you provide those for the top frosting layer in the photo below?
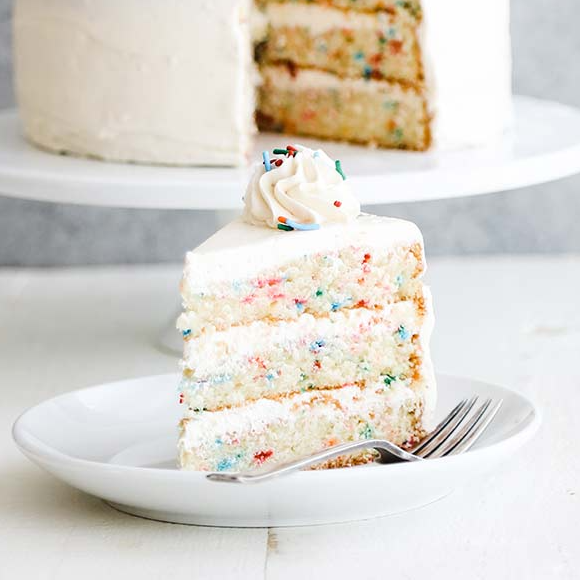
point(306, 188)
point(240, 251)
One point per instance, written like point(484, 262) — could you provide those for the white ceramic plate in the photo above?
point(544, 145)
point(117, 441)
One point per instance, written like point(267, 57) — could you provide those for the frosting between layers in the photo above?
point(242, 251)
point(221, 352)
point(318, 79)
point(319, 19)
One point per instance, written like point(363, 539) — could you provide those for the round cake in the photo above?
point(183, 83)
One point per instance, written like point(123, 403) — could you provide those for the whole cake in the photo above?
point(179, 82)
point(306, 324)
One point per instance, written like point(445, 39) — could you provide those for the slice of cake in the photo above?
point(305, 324)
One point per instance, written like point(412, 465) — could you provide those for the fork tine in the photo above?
point(460, 434)
point(426, 448)
point(440, 426)
point(466, 440)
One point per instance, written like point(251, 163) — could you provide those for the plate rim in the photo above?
point(33, 447)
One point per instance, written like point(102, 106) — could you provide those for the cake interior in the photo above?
point(295, 357)
point(344, 70)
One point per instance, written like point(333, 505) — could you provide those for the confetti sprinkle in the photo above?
point(317, 345)
point(261, 456)
point(338, 167)
point(186, 332)
point(298, 226)
point(337, 203)
point(266, 159)
point(389, 379)
point(403, 332)
point(226, 463)
point(367, 432)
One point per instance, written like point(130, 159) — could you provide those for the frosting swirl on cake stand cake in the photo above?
point(303, 187)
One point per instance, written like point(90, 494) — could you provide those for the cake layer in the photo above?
point(349, 44)
point(269, 360)
point(276, 431)
point(245, 273)
point(318, 284)
point(311, 102)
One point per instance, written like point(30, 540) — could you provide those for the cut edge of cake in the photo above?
point(239, 399)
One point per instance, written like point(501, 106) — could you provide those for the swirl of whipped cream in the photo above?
point(306, 188)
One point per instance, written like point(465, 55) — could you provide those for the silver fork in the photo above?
point(455, 434)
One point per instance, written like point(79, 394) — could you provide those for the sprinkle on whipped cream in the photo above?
point(300, 191)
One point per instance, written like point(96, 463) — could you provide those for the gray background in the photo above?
point(546, 41)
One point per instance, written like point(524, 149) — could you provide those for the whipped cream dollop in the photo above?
point(306, 188)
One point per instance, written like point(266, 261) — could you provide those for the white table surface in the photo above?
point(509, 320)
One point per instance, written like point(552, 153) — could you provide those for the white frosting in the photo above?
point(466, 53)
point(258, 416)
point(138, 80)
point(306, 188)
point(241, 250)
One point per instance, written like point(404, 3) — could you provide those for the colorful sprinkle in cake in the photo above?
point(305, 324)
point(393, 73)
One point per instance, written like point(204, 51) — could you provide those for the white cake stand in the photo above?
point(543, 146)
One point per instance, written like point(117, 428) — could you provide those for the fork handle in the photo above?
point(386, 449)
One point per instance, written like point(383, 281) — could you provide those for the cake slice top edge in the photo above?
point(241, 250)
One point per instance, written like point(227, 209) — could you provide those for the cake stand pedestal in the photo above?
point(544, 145)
